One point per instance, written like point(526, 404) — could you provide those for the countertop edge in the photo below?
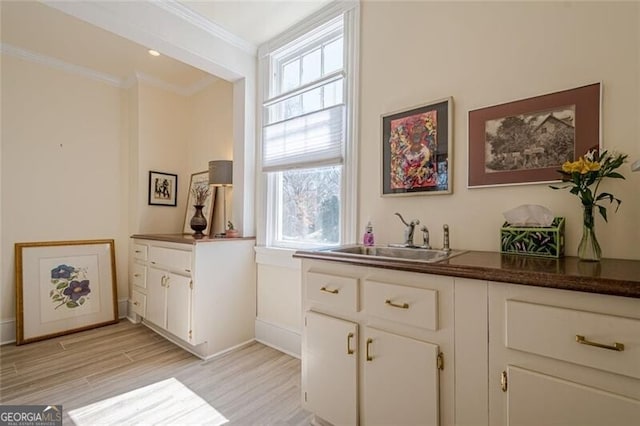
point(186, 238)
point(562, 281)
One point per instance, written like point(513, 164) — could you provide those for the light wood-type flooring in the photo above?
point(253, 385)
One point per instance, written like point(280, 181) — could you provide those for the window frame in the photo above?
point(267, 181)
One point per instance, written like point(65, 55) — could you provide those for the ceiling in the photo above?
point(32, 29)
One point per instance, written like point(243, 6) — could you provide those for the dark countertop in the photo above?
point(186, 238)
point(617, 277)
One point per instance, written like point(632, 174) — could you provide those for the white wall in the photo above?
point(482, 54)
point(62, 164)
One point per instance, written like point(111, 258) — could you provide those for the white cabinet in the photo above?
point(330, 368)
point(169, 302)
point(562, 358)
point(198, 293)
point(401, 380)
point(373, 345)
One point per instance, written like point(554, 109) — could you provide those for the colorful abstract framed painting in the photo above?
point(417, 150)
point(527, 141)
point(64, 287)
point(163, 189)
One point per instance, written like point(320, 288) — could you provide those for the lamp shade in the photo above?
point(221, 172)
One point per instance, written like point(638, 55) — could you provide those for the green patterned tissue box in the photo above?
point(546, 241)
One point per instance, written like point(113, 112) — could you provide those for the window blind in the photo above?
point(308, 140)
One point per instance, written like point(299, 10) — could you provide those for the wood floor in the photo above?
point(254, 385)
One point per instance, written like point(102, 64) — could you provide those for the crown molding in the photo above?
point(126, 83)
point(183, 12)
point(7, 49)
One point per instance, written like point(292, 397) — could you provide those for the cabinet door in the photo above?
point(178, 305)
point(401, 380)
point(329, 368)
point(539, 399)
point(156, 297)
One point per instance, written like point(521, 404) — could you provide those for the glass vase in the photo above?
point(589, 248)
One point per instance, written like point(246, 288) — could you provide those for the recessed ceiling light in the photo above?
point(154, 52)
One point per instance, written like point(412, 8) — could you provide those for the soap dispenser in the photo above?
point(368, 239)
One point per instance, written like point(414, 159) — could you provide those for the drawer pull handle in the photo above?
point(615, 347)
point(349, 350)
point(396, 305)
point(136, 304)
point(138, 251)
point(326, 290)
point(369, 342)
point(136, 275)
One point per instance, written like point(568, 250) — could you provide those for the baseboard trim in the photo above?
point(7, 331)
point(8, 327)
point(280, 338)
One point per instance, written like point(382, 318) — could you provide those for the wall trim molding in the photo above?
point(197, 20)
point(8, 326)
point(7, 49)
point(277, 257)
point(278, 337)
point(111, 80)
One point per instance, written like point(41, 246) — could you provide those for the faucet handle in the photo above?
point(445, 242)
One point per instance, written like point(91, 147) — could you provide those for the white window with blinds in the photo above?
point(307, 140)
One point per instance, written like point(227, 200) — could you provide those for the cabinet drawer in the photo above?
point(138, 275)
point(332, 290)
point(408, 305)
point(140, 251)
point(552, 331)
point(139, 302)
point(170, 258)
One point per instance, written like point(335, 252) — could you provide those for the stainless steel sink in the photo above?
point(397, 253)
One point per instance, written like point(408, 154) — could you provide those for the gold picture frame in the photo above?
point(63, 287)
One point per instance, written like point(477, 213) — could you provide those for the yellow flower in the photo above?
point(590, 166)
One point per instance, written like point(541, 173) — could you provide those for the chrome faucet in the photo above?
point(408, 230)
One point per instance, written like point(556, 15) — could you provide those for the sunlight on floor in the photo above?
point(162, 403)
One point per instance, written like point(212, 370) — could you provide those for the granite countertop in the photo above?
point(617, 277)
point(186, 238)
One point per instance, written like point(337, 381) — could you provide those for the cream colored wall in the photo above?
point(62, 170)
point(163, 146)
point(212, 135)
point(483, 54)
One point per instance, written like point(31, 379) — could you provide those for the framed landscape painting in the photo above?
point(63, 287)
point(416, 150)
point(527, 141)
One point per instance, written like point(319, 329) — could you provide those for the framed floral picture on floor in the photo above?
point(63, 287)
point(416, 150)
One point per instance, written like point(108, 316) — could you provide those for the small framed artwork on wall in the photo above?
point(163, 189)
point(63, 287)
point(416, 150)
point(528, 140)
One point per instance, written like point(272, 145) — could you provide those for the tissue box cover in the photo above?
point(547, 241)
